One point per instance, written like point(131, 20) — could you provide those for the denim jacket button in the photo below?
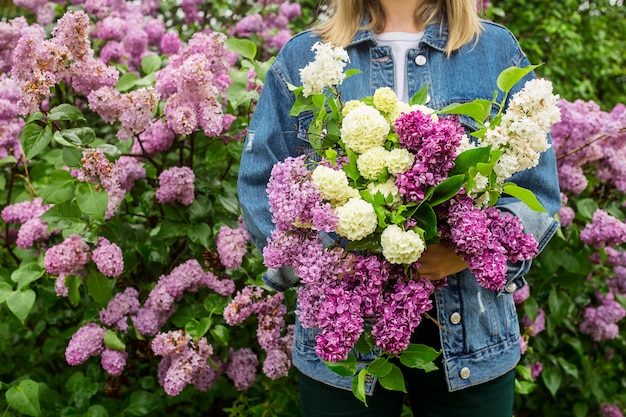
point(511, 287)
point(420, 60)
point(465, 372)
point(455, 318)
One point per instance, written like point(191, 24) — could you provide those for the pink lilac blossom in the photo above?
point(108, 258)
point(184, 361)
point(535, 370)
point(618, 283)
point(112, 51)
point(241, 367)
point(232, 245)
point(113, 361)
point(119, 308)
point(24, 211)
point(600, 322)
point(608, 410)
point(521, 295)
point(129, 171)
point(68, 257)
point(10, 32)
point(87, 341)
point(435, 147)
point(176, 184)
point(170, 43)
point(566, 215)
point(157, 138)
point(276, 364)
point(110, 28)
point(604, 230)
point(536, 326)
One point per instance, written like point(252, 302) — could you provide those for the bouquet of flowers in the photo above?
point(384, 180)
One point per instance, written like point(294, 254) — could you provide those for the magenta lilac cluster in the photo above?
point(434, 144)
point(600, 322)
point(270, 312)
point(232, 245)
point(604, 230)
point(535, 326)
point(159, 306)
point(487, 239)
point(184, 362)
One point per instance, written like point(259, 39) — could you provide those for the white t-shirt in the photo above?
point(400, 43)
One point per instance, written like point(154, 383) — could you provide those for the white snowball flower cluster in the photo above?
point(351, 105)
point(333, 184)
point(364, 128)
point(399, 160)
point(385, 100)
point(357, 219)
point(522, 133)
point(326, 70)
point(372, 162)
point(400, 246)
point(408, 108)
point(387, 189)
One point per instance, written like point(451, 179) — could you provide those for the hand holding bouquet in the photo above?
point(384, 180)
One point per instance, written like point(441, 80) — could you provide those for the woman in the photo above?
point(406, 44)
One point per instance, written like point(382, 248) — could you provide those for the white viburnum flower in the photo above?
point(333, 184)
point(399, 160)
point(326, 70)
point(372, 162)
point(385, 100)
point(364, 128)
point(351, 105)
point(357, 219)
point(401, 247)
point(387, 189)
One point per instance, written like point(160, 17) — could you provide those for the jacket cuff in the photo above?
point(280, 279)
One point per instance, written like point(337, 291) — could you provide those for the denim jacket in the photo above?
point(482, 336)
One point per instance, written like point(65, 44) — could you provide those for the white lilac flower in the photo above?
point(357, 219)
point(333, 184)
point(399, 246)
point(399, 160)
point(372, 162)
point(364, 128)
point(537, 101)
point(387, 189)
point(326, 70)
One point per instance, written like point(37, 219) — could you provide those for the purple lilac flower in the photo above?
point(10, 32)
point(249, 25)
point(27, 214)
point(241, 367)
point(184, 361)
point(155, 28)
point(87, 341)
point(536, 326)
point(435, 147)
point(608, 410)
point(401, 313)
point(31, 231)
point(566, 215)
point(108, 258)
point(232, 245)
point(600, 322)
point(535, 370)
point(271, 322)
point(249, 300)
point(112, 51)
point(176, 184)
point(618, 284)
point(119, 308)
point(276, 364)
point(111, 28)
point(113, 361)
point(68, 257)
point(170, 43)
point(157, 138)
point(521, 295)
point(572, 178)
point(604, 230)
point(129, 171)
point(72, 31)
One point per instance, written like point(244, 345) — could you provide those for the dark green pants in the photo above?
point(428, 397)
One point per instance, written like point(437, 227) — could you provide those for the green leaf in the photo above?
point(221, 334)
point(150, 63)
point(146, 81)
point(5, 291)
point(110, 150)
point(143, 403)
point(551, 377)
point(244, 47)
point(197, 329)
point(8, 160)
point(35, 139)
point(512, 75)
point(587, 207)
point(97, 411)
point(126, 82)
point(92, 202)
point(21, 302)
point(200, 233)
point(470, 158)
point(420, 97)
point(380, 367)
point(524, 372)
point(394, 380)
point(358, 386)
point(559, 304)
point(524, 387)
point(72, 157)
point(60, 187)
point(79, 136)
point(568, 367)
point(62, 216)
point(72, 282)
point(27, 273)
point(112, 341)
point(98, 287)
point(581, 409)
point(25, 398)
point(344, 368)
point(71, 142)
point(478, 110)
point(65, 111)
point(418, 356)
point(426, 220)
point(447, 189)
point(524, 195)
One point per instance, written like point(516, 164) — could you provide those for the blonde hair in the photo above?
point(346, 15)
